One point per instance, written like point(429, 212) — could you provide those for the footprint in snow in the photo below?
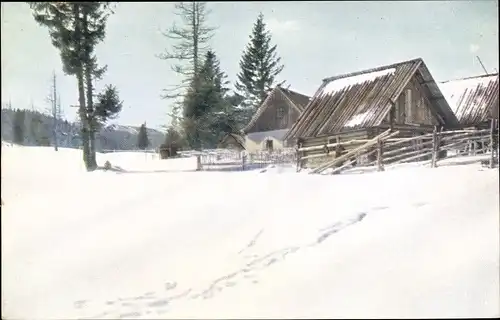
point(170, 285)
point(379, 208)
point(80, 304)
point(158, 303)
point(419, 204)
point(129, 315)
point(339, 226)
point(127, 304)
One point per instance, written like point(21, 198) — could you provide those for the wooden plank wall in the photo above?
point(420, 105)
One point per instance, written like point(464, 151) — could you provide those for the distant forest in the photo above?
point(33, 128)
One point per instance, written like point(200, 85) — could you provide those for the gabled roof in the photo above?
point(236, 137)
point(299, 100)
point(296, 100)
point(473, 99)
point(363, 99)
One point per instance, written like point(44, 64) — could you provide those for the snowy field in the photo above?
point(409, 242)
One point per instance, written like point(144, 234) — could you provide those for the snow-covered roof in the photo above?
point(343, 83)
point(258, 137)
point(363, 99)
point(472, 99)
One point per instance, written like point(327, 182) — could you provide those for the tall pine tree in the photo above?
point(94, 19)
point(75, 29)
point(260, 64)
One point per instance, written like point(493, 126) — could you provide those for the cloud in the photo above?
point(473, 48)
point(282, 27)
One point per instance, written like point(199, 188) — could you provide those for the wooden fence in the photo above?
point(231, 160)
point(386, 149)
point(131, 150)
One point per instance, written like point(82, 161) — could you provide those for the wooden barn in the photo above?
point(273, 119)
point(360, 105)
point(474, 100)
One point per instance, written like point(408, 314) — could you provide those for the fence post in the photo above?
point(496, 139)
point(298, 158)
point(474, 145)
point(435, 147)
point(380, 152)
point(299, 154)
point(493, 144)
point(198, 162)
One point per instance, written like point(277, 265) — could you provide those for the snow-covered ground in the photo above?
point(408, 242)
point(148, 162)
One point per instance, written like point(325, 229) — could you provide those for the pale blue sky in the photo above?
point(315, 40)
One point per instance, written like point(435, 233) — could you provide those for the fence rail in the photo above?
point(429, 148)
point(229, 160)
point(131, 150)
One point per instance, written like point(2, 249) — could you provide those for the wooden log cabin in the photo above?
point(271, 121)
point(360, 105)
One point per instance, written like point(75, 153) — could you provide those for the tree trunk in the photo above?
point(91, 120)
point(195, 20)
point(84, 121)
point(92, 163)
point(81, 95)
point(54, 114)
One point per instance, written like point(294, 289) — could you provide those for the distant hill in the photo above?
point(112, 137)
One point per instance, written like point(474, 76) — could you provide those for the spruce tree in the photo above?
point(107, 106)
point(260, 65)
point(218, 112)
point(142, 137)
point(206, 108)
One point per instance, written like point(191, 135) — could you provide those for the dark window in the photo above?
point(269, 144)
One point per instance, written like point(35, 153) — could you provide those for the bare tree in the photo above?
point(54, 111)
point(191, 43)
